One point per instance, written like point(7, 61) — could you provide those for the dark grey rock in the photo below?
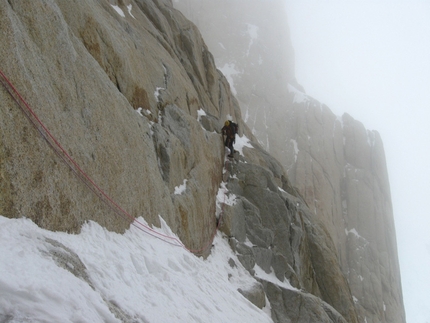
point(255, 294)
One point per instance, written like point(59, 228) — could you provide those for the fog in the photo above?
point(371, 59)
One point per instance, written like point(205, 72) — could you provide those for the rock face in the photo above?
point(335, 164)
point(131, 93)
point(86, 68)
point(285, 238)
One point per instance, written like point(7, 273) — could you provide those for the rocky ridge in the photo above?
point(132, 93)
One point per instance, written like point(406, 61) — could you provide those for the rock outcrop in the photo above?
point(131, 92)
point(335, 164)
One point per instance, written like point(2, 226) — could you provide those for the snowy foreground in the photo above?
point(148, 279)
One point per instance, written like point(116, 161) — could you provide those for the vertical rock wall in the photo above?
point(336, 164)
point(119, 85)
point(339, 168)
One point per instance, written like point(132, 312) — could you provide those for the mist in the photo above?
point(369, 59)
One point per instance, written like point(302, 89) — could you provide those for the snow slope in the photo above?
point(148, 279)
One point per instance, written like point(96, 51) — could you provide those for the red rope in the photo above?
point(62, 153)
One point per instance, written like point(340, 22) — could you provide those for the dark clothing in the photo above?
point(229, 144)
point(230, 132)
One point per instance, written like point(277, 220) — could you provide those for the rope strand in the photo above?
point(82, 176)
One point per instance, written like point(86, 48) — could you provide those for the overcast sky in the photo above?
point(371, 59)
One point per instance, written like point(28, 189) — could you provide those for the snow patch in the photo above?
point(282, 190)
point(157, 93)
point(355, 233)
point(224, 197)
point(261, 274)
point(129, 7)
point(200, 113)
point(253, 34)
point(143, 112)
point(299, 97)
point(181, 188)
point(127, 270)
point(118, 10)
point(370, 138)
point(242, 142)
point(229, 70)
point(246, 114)
point(296, 149)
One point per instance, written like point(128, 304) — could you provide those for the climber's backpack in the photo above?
point(234, 127)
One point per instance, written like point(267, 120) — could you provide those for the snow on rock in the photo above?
point(118, 10)
point(229, 70)
point(271, 277)
point(253, 35)
point(242, 142)
point(296, 148)
point(181, 188)
point(224, 197)
point(129, 8)
point(157, 93)
point(200, 113)
point(144, 278)
point(143, 112)
point(355, 233)
point(299, 97)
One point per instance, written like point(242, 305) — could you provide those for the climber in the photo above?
point(229, 130)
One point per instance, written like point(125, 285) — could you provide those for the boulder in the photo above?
point(255, 294)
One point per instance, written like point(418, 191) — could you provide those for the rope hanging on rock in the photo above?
point(82, 176)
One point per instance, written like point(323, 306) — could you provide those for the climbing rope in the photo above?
point(81, 175)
